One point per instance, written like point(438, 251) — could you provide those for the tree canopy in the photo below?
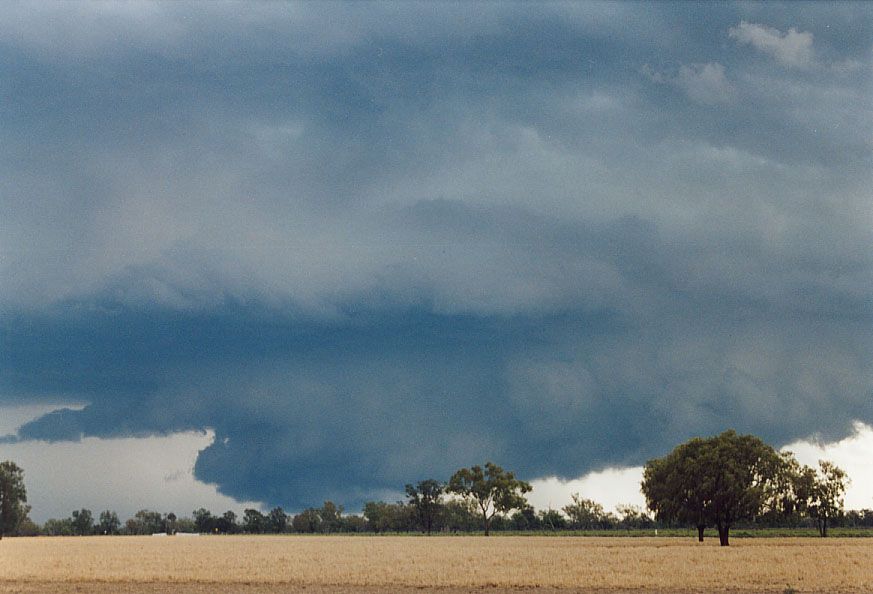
point(426, 498)
point(716, 481)
point(826, 489)
point(493, 489)
point(13, 497)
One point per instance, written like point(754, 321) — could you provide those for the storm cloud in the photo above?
point(369, 243)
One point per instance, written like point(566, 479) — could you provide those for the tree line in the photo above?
point(723, 482)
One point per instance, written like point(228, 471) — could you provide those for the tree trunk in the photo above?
point(700, 529)
point(823, 527)
point(487, 523)
point(723, 532)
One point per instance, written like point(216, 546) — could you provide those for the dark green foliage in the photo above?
point(13, 497)
point(826, 489)
point(55, 527)
point(170, 523)
point(82, 522)
point(331, 517)
point(525, 519)
point(254, 522)
point(389, 517)
point(492, 489)
point(204, 521)
point(308, 521)
point(226, 523)
point(145, 522)
point(277, 520)
point(460, 516)
point(354, 524)
point(426, 498)
point(552, 520)
point(717, 481)
point(631, 517)
point(586, 514)
point(109, 523)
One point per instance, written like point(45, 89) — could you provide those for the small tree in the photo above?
point(585, 514)
point(56, 527)
point(460, 515)
point(426, 498)
point(525, 519)
point(204, 521)
point(254, 522)
point(13, 497)
point(552, 519)
point(170, 523)
point(146, 521)
point(493, 490)
point(109, 523)
point(788, 493)
point(309, 520)
point(331, 516)
point(83, 522)
point(827, 487)
point(226, 524)
point(633, 517)
point(277, 520)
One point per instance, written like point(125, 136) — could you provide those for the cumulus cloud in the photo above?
point(792, 48)
point(702, 83)
point(705, 83)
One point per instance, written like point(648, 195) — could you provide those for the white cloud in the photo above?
point(609, 487)
point(124, 475)
point(793, 49)
point(703, 83)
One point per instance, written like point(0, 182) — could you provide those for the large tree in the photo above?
point(13, 497)
point(426, 498)
point(492, 489)
point(713, 481)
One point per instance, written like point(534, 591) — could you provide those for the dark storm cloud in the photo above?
point(368, 243)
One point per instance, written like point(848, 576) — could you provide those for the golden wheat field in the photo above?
point(450, 563)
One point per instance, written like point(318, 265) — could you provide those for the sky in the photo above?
point(309, 251)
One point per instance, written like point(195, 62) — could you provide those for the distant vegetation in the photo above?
point(724, 482)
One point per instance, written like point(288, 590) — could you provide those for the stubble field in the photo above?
point(450, 564)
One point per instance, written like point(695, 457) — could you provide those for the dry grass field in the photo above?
point(452, 564)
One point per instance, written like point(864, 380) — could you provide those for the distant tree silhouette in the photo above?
point(491, 488)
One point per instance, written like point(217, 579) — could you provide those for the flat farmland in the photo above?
point(445, 563)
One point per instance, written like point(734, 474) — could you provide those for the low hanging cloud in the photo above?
point(792, 48)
